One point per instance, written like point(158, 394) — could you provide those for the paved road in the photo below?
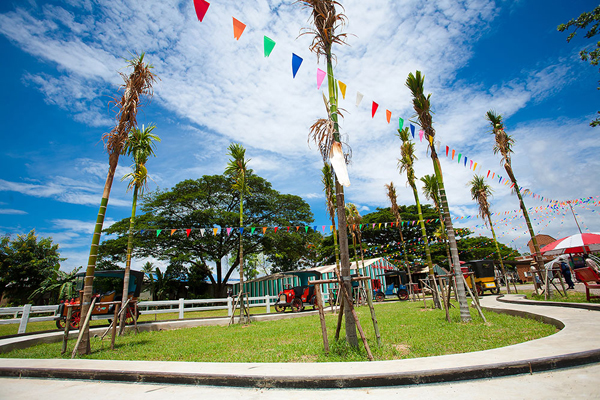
point(572, 383)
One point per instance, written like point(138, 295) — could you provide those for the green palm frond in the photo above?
point(237, 167)
point(430, 189)
point(421, 104)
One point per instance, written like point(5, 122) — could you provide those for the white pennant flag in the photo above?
point(359, 97)
point(202, 232)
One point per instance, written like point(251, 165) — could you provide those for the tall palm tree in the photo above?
point(422, 106)
point(328, 188)
point(431, 192)
point(503, 145)
point(391, 193)
point(325, 22)
point(481, 192)
point(136, 85)
point(140, 147)
point(406, 165)
point(237, 168)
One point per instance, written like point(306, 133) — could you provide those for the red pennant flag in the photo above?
point(374, 109)
point(488, 175)
point(238, 29)
point(388, 115)
point(288, 228)
point(276, 229)
point(201, 7)
point(447, 150)
point(188, 231)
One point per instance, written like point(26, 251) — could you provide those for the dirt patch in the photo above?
point(402, 349)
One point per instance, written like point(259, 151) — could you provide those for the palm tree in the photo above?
point(391, 193)
point(480, 192)
point(140, 146)
point(431, 192)
point(237, 169)
point(136, 85)
point(503, 145)
point(325, 22)
point(406, 165)
point(422, 106)
point(328, 188)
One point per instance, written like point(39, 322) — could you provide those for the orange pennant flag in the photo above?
point(215, 230)
point(264, 229)
point(238, 29)
point(342, 86)
point(173, 231)
point(388, 114)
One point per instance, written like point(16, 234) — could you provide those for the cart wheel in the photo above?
point(297, 305)
point(379, 297)
point(313, 303)
point(403, 295)
point(279, 308)
point(60, 323)
point(75, 319)
point(479, 290)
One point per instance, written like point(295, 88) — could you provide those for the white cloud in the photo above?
point(9, 211)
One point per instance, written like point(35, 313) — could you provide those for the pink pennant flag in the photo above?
point(320, 76)
point(388, 115)
point(471, 165)
point(228, 231)
point(374, 109)
point(201, 7)
point(421, 134)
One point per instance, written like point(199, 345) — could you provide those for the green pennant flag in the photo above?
point(269, 44)
point(306, 229)
point(158, 231)
point(400, 123)
point(252, 229)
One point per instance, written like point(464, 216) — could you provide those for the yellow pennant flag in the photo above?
point(330, 228)
point(342, 86)
point(215, 230)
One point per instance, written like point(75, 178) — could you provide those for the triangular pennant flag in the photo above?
point(215, 230)
point(315, 228)
point(252, 230)
point(241, 230)
point(288, 228)
point(142, 232)
point(465, 161)
point(330, 228)
point(187, 232)
point(296, 61)
point(306, 229)
point(264, 229)
point(201, 7)
point(320, 76)
point(474, 166)
point(228, 231)
point(412, 130)
point(400, 123)
point(269, 45)
point(459, 156)
point(447, 150)
point(488, 174)
point(374, 109)
point(388, 115)
point(173, 231)
point(238, 28)
point(359, 97)
point(493, 173)
point(202, 232)
point(421, 134)
point(323, 228)
point(158, 231)
point(275, 228)
point(342, 86)
point(297, 228)
point(453, 153)
point(380, 225)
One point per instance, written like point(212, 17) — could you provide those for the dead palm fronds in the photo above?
point(326, 21)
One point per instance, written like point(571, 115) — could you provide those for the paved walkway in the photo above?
point(575, 345)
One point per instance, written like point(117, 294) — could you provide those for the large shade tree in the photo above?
point(326, 23)
point(503, 145)
point(136, 85)
point(481, 192)
point(422, 106)
point(140, 146)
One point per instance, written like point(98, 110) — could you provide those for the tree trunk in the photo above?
point(465, 315)
point(128, 262)
point(499, 255)
point(84, 345)
point(407, 264)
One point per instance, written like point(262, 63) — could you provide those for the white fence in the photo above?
point(25, 312)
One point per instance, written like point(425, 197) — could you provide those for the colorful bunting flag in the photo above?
point(488, 174)
point(264, 230)
point(269, 45)
point(252, 230)
point(275, 229)
point(238, 28)
point(306, 229)
point(400, 123)
point(158, 231)
point(296, 62)
point(201, 7)
point(459, 156)
point(173, 231)
point(320, 76)
point(421, 134)
point(465, 161)
point(453, 152)
point(215, 230)
point(315, 228)
point(342, 86)
point(388, 115)
point(447, 150)
point(474, 166)
point(187, 232)
point(471, 165)
point(412, 130)
point(241, 230)
point(228, 231)
point(374, 109)
point(359, 97)
point(202, 232)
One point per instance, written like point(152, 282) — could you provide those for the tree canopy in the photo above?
point(209, 202)
point(26, 262)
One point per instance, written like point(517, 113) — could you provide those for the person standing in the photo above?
point(566, 271)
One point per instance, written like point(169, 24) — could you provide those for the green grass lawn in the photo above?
point(408, 330)
point(572, 297)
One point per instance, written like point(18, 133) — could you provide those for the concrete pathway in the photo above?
point(575, 345)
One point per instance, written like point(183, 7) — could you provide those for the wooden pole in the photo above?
point(114, 326)
point(339, 320)
point(67, 326)
point(373, 317)
point(322, 318)
point(474, 301)
point(444, 300)
point(82, 328)
point(474, 287)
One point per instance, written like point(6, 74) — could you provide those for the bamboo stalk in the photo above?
point(339, 320)
point(67, 327)
point(114, 327)
point(373, 317)
point(476, 303)
point(322, 318)
point(82, 328)
point(444, 300)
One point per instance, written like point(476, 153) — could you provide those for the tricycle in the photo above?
point(298, 297)
point(484, 274)
point(398, 285)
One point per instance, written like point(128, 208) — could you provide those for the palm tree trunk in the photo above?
point(465, 315)
point(128, 262)
point(537, 255)
point(436, 299)
point(498, 251)
point(84, 345)
point(410, 281)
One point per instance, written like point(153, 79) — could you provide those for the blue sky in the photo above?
point(61, 64)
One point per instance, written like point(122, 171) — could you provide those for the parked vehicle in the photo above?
point(397, 285)
point(106, 286)
point(298, 297)
point(484, 274)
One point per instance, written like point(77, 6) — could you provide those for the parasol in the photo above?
point(573, 244)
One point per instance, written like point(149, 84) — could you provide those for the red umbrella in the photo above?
point(573, 244)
